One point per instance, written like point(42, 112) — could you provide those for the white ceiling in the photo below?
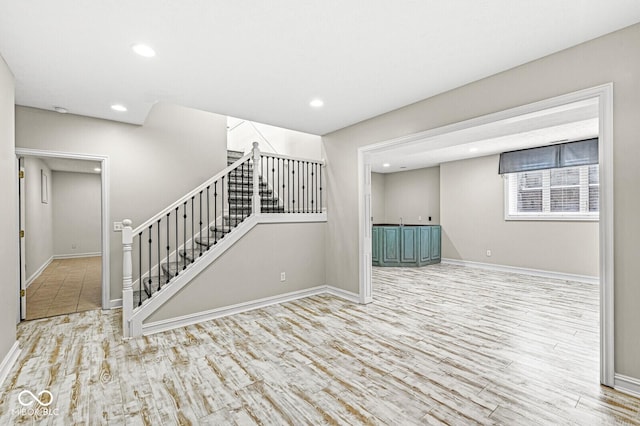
point(575, 121)
point(265, 60)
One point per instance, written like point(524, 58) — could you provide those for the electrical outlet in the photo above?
point(117, 226)
point(419, 218)
point(283, 276)
point(488, 253)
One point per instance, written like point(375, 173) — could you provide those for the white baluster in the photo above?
point(127, 277)
point(256, 179)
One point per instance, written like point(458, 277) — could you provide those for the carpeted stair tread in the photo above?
point(151, 284)
point(172, 267)
point(192, 254)
point(136, 297)
point(215, 236)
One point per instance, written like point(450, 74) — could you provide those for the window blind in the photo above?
point(570, 154)
point(554, 193)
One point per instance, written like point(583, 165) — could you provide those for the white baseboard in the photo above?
point(8, 361)
point(344, 294)
point(76, 255)
point(627, 385)
point(37, 273)
point(525, 271)
point(182, 321)
point(115, 303)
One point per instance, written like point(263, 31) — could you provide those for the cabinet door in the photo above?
point(435, 242)
point(375, 245)
point(390, 246)
point(408, 244)
point(425, 243)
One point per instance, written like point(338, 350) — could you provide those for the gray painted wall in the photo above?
point(9, 256)
point(76, 213)
point(611, 58)
point(472, 206)
point(413, 195)
point(251, 269)
point(150, 166)
point(378, 182)
point(38, 217)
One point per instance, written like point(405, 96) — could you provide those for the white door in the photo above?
point(23, 268)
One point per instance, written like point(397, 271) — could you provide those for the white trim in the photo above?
point(628, 385)
point(76, 255)
point(524, 271)
point(604, 93)
point(605, 154)
point(554, 218)
point(8, 361)
point(182, 321)
point(343, 294)
point(190, 319)
point(37, 273)
point(115, 303)
point(105, 210)
point(287, 157)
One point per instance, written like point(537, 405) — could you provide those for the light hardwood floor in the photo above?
point(439, 345)
point(66, 286)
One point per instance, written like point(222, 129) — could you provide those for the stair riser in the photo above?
point(243, 190)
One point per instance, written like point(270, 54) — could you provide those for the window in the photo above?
point(568, 193)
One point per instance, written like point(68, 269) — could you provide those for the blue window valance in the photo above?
point(569, 154)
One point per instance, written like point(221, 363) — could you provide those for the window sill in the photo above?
point(555, 218)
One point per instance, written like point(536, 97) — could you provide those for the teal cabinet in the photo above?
point(435, 242)
point(425, 244)
point(390, 247)
point(375, 246)
point(408, 245)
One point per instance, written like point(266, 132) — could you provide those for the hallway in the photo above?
point(65, 286)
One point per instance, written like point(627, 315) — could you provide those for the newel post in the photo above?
point(256, 179)
point(127, 277)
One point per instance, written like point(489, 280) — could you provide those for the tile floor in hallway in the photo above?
point(66, 286)
point(439, 345)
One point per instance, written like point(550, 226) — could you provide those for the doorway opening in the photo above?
point(64, 248)
point(452, 136)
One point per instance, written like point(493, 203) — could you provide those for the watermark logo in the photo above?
point(44, 398)
point(28, 403)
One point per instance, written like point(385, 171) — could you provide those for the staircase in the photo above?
point(164, 253)
point(239, 192)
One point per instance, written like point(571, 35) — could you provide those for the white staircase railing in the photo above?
point(161, 255)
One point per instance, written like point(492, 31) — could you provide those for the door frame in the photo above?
point(22, 292)
point(604, 94)
point(104, 196)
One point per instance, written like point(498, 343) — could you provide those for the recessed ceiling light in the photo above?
point(474, 149)
point(316, 103)
point(97, 169)
point(60, 109)
point(119, 108)
point(144, 50)
point(386, 165)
